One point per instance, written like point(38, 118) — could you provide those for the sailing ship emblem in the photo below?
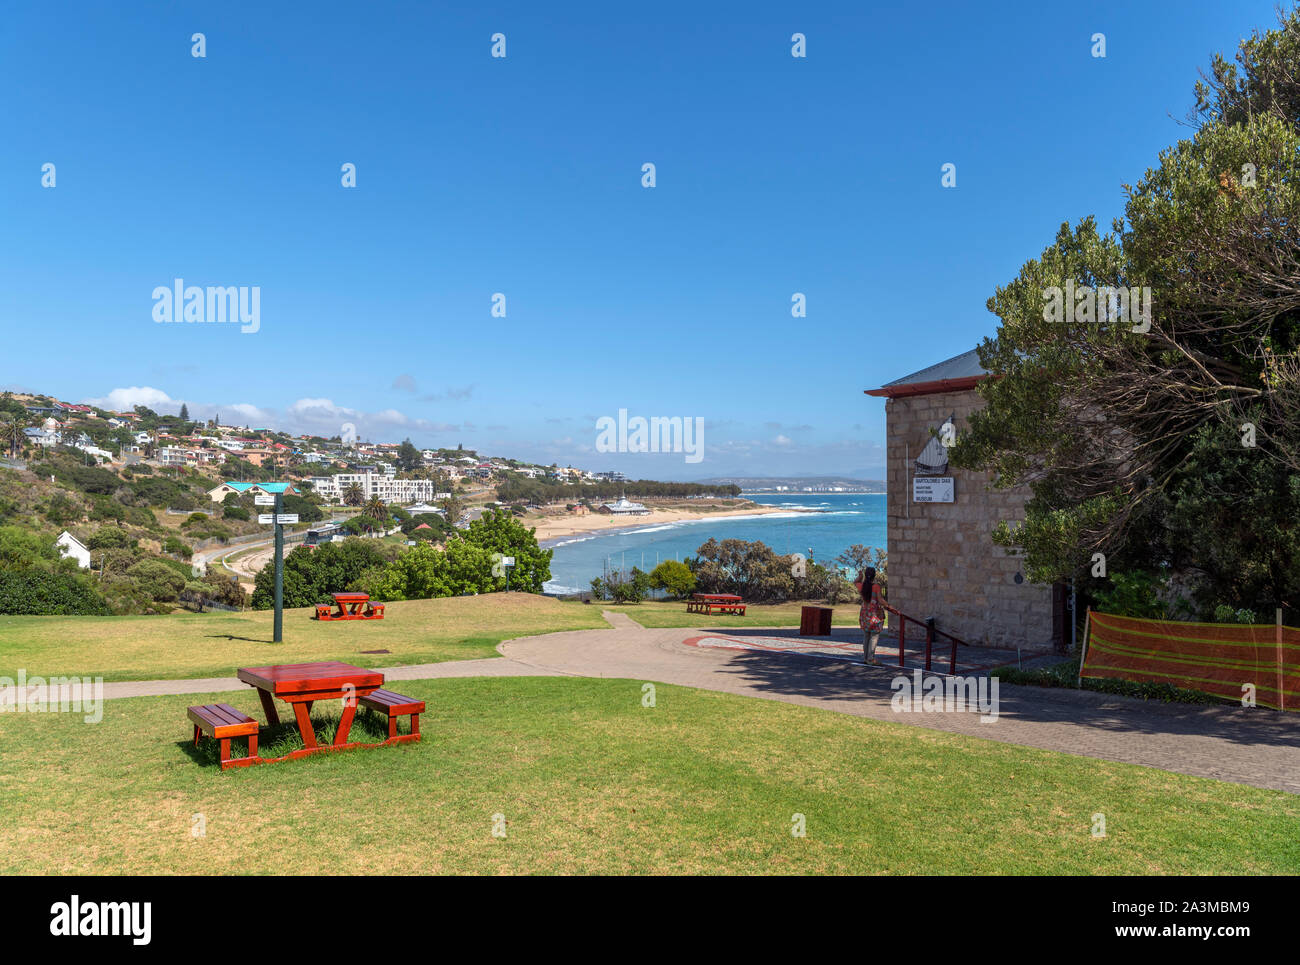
point(933, 460)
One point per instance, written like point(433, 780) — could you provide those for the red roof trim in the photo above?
point(927, 388)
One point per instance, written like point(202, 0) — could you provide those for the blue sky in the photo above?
point(522, 175)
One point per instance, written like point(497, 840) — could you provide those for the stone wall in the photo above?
point(942, 561)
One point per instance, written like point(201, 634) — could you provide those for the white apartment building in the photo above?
point(384, 485)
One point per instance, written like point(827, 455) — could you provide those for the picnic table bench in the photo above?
point(300, 685)
point(722, 602)
point(350, 606)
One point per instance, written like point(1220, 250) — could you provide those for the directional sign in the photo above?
point(283, 518)
point(264, 500)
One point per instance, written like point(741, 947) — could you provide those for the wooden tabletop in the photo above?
point(716, 596)
point(296, 678)
point(350, 597)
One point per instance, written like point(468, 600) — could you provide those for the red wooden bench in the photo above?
point(722, 602)
point(221, 722)
point(395, 706)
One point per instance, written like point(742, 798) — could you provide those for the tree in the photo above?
point(377, 510)
point(12, 435)
point(185, 413)
point(353, 494)
point(500, 535)
point(674, 577)
point(453, 507)
point(1128, 429)
point(408, 457)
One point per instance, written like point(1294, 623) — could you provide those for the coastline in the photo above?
point(551, 529)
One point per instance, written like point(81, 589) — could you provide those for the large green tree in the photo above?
point(1164, 437)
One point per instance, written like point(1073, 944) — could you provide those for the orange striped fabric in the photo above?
point(1215, 658)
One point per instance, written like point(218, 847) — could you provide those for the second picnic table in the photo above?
point(350, 606)
point(707, 602)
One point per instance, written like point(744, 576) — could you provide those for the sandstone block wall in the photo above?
point(942, 562)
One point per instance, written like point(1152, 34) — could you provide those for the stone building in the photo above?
point(942, 560)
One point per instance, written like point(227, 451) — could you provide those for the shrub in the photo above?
point(159, 580)
point(40, 593)
point(109, 538)
point(177, 547)
point(673, 577)
point(311, 575)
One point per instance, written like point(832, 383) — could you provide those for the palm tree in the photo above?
point(353, 495)
point(376, 509)
point(11, 433)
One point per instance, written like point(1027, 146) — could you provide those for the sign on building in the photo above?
point(932, 489)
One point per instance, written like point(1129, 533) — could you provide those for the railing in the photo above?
point(931, 631)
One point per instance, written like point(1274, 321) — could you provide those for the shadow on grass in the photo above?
point(283, 738)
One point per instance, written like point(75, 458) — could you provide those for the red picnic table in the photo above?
point(723, 602)
point(350, 606)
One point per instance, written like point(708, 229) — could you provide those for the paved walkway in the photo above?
point(1257, 747)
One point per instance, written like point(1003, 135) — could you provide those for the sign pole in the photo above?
point(279, 570)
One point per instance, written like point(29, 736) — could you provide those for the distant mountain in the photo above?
point(795, 484)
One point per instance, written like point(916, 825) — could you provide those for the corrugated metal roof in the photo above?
point(958, 367)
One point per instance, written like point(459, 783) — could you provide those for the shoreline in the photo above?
point(551, 530)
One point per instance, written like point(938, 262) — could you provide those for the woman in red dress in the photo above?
point(871, 618)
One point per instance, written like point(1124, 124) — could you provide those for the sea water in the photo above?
point(818, 525)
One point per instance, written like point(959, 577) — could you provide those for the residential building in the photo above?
point(72, 547)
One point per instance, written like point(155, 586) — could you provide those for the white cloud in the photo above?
point(122, 400)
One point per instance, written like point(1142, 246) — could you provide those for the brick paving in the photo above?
point(1257, 747)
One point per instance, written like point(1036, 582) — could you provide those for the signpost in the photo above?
point(278, 519)
point(507, 562)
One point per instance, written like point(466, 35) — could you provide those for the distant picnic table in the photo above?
point(350, 606)
point(722, 602)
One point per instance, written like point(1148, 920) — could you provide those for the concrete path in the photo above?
point(1258, 747)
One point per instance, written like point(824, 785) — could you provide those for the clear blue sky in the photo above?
point(522, 175)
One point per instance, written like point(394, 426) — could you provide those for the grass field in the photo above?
point(589, 780)
point(673, 614)
point(214, 644)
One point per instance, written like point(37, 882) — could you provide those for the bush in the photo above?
point(42, 593)
point(673, 577)
point(311, 575)
point(233, 512)
point(159, 580)
point(109, 538)
point(177, 547)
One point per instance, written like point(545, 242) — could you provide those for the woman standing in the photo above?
point(872, 615)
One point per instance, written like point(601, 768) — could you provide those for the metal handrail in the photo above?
point(930, 631)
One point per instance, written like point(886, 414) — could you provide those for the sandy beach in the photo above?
point(560, 526)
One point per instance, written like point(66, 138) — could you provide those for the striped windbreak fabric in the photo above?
point(1216, 658)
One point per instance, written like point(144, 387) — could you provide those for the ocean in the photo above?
point(836, 522)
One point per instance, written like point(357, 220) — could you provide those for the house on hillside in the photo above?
point(72, 547)
point(219, 493)
point(942, 560)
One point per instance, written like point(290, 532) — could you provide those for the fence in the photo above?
point(1214, 658)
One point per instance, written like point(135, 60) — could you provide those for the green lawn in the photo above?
point(590, 781)
point(214, 644)
point(673, 614)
